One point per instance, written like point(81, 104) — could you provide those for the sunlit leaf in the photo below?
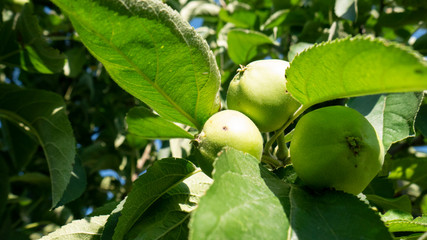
point(275, 19)
point(23, 45)
point(168, 217)
point(241, 201)
point(354, 67)
point(152, 53)
point(243, 44)
point(158, 180)
point(410, 169)
point(398, 221)
point(89, 228)
point(346, 9)
point(400, 203)
point(199, 8)
point(242, 18)
point(143, 122)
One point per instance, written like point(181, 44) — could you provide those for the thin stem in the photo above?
point(282, 150)
point(271, 160)
point(276, 135)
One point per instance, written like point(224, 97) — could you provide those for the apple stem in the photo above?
point(282, 151)
point(271, 160)
point(270, 142)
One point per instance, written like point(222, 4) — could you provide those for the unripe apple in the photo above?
point(259, 91)
point(336, 147)
point(227, 128)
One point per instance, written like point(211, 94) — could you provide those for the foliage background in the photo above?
point(39, 49)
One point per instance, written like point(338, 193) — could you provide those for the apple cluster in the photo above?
point(332, 147)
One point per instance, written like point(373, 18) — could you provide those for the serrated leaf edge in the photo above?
point(65, 227)
point(141, 211)
point(370, 38)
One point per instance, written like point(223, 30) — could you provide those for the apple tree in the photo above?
point(213, 119)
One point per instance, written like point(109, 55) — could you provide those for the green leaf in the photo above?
point(43, 115)
point(23, 45)
point(421, 44)
point(4, 186)
point(287, 174)
point(354, 67)
point(421, 120)
point(14, 138)
point(162, 176)
point(410, 169)
point(34, 178)
point(89, 228)
point(77, 184)
point(392, 115)
point(380, 186)
point(297, 48)
point(241, 204)
point(180, 147)
point(281, 4)
point(76, 59)
point(400, 203)
point(166, 222)
point(412, 3)
point(143, 122)
point(1, 11)
point(275, 19)
point(398, 221)
point(241, 18)
point(135, 141)
point(398, 19)
point(199, 8)
point(333, 215)
point(152, 53)
point(90, 156)
point(312, 32)
point(346, 9)
point(112, 221)
point(296, 17)
point(243, 44)
point(423, 204)
point(396, 215)
point(106, 209)
point(168, 217)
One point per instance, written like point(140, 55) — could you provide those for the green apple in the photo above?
point(336, 147)
point(259, 91)
point(227, 128)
